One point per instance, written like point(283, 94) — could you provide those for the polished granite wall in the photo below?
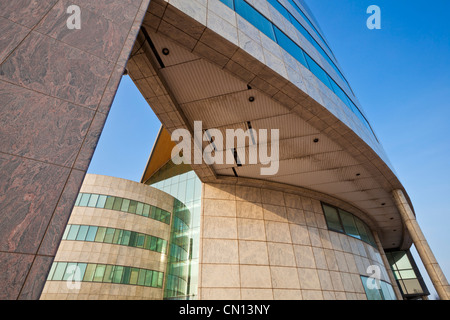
point(56, 88)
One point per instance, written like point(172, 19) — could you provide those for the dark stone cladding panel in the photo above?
point(36, 277)
point(12, 34)
point(61, 215)
point(25, 12)
point(56, 89)
point(21, 117)
point(51, 67)
point(29, 193)
point(98, 35)
point(15, 267)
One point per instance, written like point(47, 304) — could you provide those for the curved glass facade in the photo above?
point(380, 290)
point(121, 204)
point(262, 23)
point(185, 233)
point(177, 277)
point(114, 236)
point(105, 273)
point(344, 222)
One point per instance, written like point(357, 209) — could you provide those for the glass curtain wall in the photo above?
point(185, 187)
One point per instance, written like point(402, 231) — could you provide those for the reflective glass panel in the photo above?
point(349, 224)
point(332, 218)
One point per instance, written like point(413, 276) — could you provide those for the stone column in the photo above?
point(426, 255)
point(57, 84)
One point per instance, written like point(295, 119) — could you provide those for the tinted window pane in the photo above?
point(279, 8)
point(332, 218)
point(407, 274)
point(255, 18)
point(82, 233)
point(132, 207)
point(91, 233)
point(160, 279)
point(290, 46)
point(117, 236)
point(66, 232)
point(125, 237)
point(140, 240)
point(77, 202)
point(148, 278)
point(84, 199)
point(117, 204)
point(349, 224)
point(90, 270)
point(146, 211)
point(52, 271)
point(318, 71)
point(372, 293)
point(72, 235)
point(101, 201)
point(99, 273)
point(82, 269)
point(362, 229)
point(109, 202)
point(412, 286)
point(153, 244)
point(126, 275)
point(134, 276)
point(93, 200)
point(125, 205)
point(141, 278)
point(401, 260)
point(59, 270)
point(100, 234)
point(108, 277)
point(139, 208)
point(155, 279)
point(229, 3)
point(109, 235)
point(117, 277)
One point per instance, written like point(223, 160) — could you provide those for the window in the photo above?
point(377, 290)
point(342, 221)
point(332, 218)
point(93, 200)
point(82, 233)
point(92, 272)
point(349, 224)
point(250, 14)
point(290, 46)
point(114, 236)
point(258, 20)
point(407, 274)
point(123, 205)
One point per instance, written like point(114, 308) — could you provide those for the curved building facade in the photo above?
point(319, 226)
point(123, 241)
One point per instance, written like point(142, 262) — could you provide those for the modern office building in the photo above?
point(330, 217)
point(124, 240)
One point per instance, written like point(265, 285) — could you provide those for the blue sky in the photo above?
point(401, 76)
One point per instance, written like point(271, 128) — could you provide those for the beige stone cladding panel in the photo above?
point(58, 290)
point(261, 243)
